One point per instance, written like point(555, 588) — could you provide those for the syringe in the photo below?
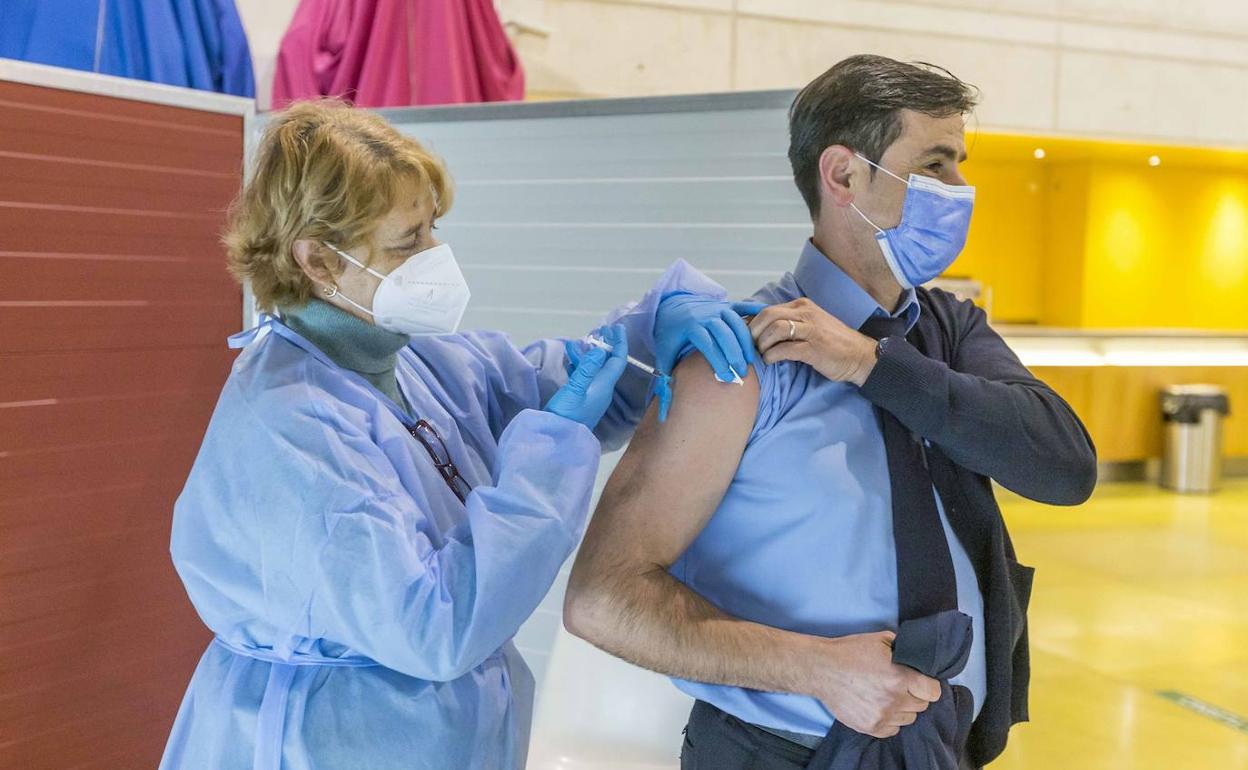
point(648, 369)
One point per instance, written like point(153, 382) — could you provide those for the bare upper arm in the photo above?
point(673, 476)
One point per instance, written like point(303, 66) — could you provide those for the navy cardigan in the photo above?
point(954, 382)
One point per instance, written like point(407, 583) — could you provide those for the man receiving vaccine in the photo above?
point(817, 557)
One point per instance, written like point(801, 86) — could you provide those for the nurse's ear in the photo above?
point(317, 262)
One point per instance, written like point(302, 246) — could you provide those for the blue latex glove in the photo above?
point(715, 328)
point(591, 385)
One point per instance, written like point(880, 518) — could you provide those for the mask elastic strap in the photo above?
point(351, 302)
point(878, 229)
point(357, 263)
point(354, 261)
point(877, 165)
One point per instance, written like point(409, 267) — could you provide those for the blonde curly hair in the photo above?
point(325, 171)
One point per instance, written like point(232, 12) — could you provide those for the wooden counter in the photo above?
point(1113, 379)
point(1121, 405)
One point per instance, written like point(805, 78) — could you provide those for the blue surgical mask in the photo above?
point(935, 218)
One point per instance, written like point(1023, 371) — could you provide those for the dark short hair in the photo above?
point(858, 103)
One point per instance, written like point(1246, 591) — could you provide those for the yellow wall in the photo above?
point(1066, 216)
point(1166, 247)
point(1093, 236)
point(1008, 240)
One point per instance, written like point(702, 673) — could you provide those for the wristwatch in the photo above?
point(880, 346)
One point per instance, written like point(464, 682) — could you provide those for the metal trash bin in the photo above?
point(1191, 459)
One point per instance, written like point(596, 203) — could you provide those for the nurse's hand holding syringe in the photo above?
point(662, 382)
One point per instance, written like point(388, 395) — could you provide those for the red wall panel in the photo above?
point(114, 309)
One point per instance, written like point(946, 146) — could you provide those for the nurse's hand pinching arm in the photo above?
point(590, 387)
point(687, 322)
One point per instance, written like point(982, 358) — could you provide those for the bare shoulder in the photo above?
point(704, 410)
point(674, 474)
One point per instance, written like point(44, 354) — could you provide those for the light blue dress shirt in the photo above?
point(803, 539)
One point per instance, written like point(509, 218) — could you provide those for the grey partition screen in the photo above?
point(564, 210)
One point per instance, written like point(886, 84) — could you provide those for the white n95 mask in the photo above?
point(427, 294)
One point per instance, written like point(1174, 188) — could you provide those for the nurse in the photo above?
point(380, 502)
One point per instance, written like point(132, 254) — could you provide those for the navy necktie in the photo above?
point(933, 637)
point(925, 578)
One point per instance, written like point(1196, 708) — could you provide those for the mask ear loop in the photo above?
point(332, 291)
point(354, 261)
point(865, 159)
point(854, 206)
point(878, 229)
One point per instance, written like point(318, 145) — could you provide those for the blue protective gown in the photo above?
point(363, 614)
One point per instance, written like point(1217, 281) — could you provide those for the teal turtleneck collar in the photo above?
point(353, 344)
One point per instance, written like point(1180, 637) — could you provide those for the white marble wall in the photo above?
point(1149, 69)
point(265, 22)
point(1146, 69)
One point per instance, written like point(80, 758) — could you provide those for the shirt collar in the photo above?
point(831, 288)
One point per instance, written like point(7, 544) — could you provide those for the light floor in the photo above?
point(1137, 593)
point(1140, 592)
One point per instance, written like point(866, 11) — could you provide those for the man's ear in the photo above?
point(836, 166)
point(311, 258)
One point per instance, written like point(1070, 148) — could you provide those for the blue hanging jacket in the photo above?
point(192, 43)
